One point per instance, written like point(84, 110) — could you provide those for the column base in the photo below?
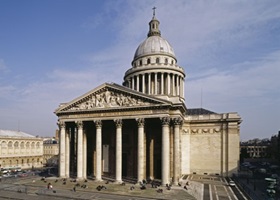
point(118, 182)
point(80, 178)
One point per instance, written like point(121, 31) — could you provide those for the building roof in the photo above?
point(10, 133)
point(154, 45)
point(199, 111)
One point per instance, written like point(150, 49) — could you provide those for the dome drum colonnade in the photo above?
point(64, 156)
point(157, 82)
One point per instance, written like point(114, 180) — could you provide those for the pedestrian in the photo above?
point(74, 188)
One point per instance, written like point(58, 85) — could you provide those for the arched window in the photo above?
point(172, 62)
point(4, 145)
point(140, 62)
point(166, 61)
point(38, 145)
point(149, 61)
point(16, 145)
point(28, 145)
point(10, 145)
point(22, 145)
point(157, 60)
point(33, 145)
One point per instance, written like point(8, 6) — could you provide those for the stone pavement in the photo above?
point(36, 188)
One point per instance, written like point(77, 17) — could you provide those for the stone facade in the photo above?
point(51, 152)
point(25, 151)
point(143, 129)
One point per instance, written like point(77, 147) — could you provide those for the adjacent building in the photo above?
point(143, 129)
point(21, 150)
point(51, 152)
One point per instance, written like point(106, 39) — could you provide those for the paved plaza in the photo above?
point(32, 188)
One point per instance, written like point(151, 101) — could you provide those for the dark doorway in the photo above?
point(158, 169)
point(124, 164)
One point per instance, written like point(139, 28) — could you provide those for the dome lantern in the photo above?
point(154, 26)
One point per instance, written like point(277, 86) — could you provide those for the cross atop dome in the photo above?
point(154, 12)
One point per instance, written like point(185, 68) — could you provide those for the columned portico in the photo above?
point(165, 151)
point(98, 124)
point(118, 123)
point(140, 167)
point(80, 154)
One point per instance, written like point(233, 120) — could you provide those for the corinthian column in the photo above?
point(80, 150)
point(143, 83)
point(61, 149)
point(165, 151)
point(162, 84)
point(176, 160)
point(149, 83)
point(67, 154)
point(156, 83)
point(98, 124)
point(137, 83)
point(168, 84)
point(140, 171)
point(118, 150)
point(85, 155)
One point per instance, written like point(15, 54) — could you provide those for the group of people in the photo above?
point(101, 187)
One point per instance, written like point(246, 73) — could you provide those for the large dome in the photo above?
point(154, 45)
point(154, 68)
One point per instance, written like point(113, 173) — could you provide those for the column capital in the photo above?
point(140, 122)
point(165, 120)
point(79, 124)
point(61, 124)
point(177, 121)
point(98, 123)
point(118, 123)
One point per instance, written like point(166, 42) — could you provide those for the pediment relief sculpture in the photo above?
point(107, 99)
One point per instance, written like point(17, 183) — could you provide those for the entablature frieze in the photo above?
point(113, 115)
point(201, 131)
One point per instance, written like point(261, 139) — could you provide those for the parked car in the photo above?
point(231, 183)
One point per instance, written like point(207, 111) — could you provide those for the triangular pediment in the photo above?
point(110, 96)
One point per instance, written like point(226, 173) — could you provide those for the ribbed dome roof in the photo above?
point(154, 45)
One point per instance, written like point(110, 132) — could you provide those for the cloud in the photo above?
point(3, 67)
point(257, 79)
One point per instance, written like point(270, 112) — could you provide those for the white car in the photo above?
point(231, 183)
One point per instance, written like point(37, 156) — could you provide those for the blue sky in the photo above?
point(54, 51)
